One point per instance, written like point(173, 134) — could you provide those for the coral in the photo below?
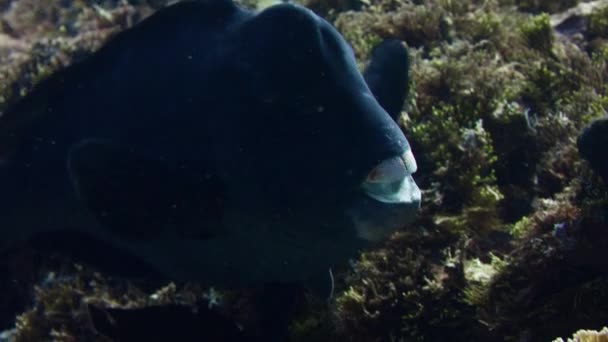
point(587, 336)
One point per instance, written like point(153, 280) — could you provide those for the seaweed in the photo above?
point(498, 103)
point(409, 289)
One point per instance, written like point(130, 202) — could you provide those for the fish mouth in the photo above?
point(389, 200)
point(391, 181)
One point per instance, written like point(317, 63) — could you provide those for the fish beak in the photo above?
point(390, 198)
point(391, 181)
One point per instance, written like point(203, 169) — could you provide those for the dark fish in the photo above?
point(165, 323)
point(592, 144)
point(213, 144)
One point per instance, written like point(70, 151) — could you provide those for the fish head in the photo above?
point(312, 141)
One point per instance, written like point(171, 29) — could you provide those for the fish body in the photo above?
point(214, 144)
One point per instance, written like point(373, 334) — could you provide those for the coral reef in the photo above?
point(499, 99)
point(510, 236)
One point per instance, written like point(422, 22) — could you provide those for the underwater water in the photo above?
point(384, 170)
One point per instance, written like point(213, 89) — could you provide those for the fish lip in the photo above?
point(406, 192)
point(391, 181)
point(374, 220)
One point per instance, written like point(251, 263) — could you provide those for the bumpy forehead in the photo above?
point(288, 43)
point(310, 114)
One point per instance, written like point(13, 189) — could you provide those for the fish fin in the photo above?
point(89, 249)
point(138, 199)
point(171, 321)
point(321, 284)
point(387, 75)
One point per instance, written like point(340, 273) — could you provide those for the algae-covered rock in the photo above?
point(408, 289)
point(79, 304)
point(493, 118)
point(555, 278)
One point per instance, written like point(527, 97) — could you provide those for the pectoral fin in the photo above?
point(138, 199)
point(387, 76)
point(164, 323)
